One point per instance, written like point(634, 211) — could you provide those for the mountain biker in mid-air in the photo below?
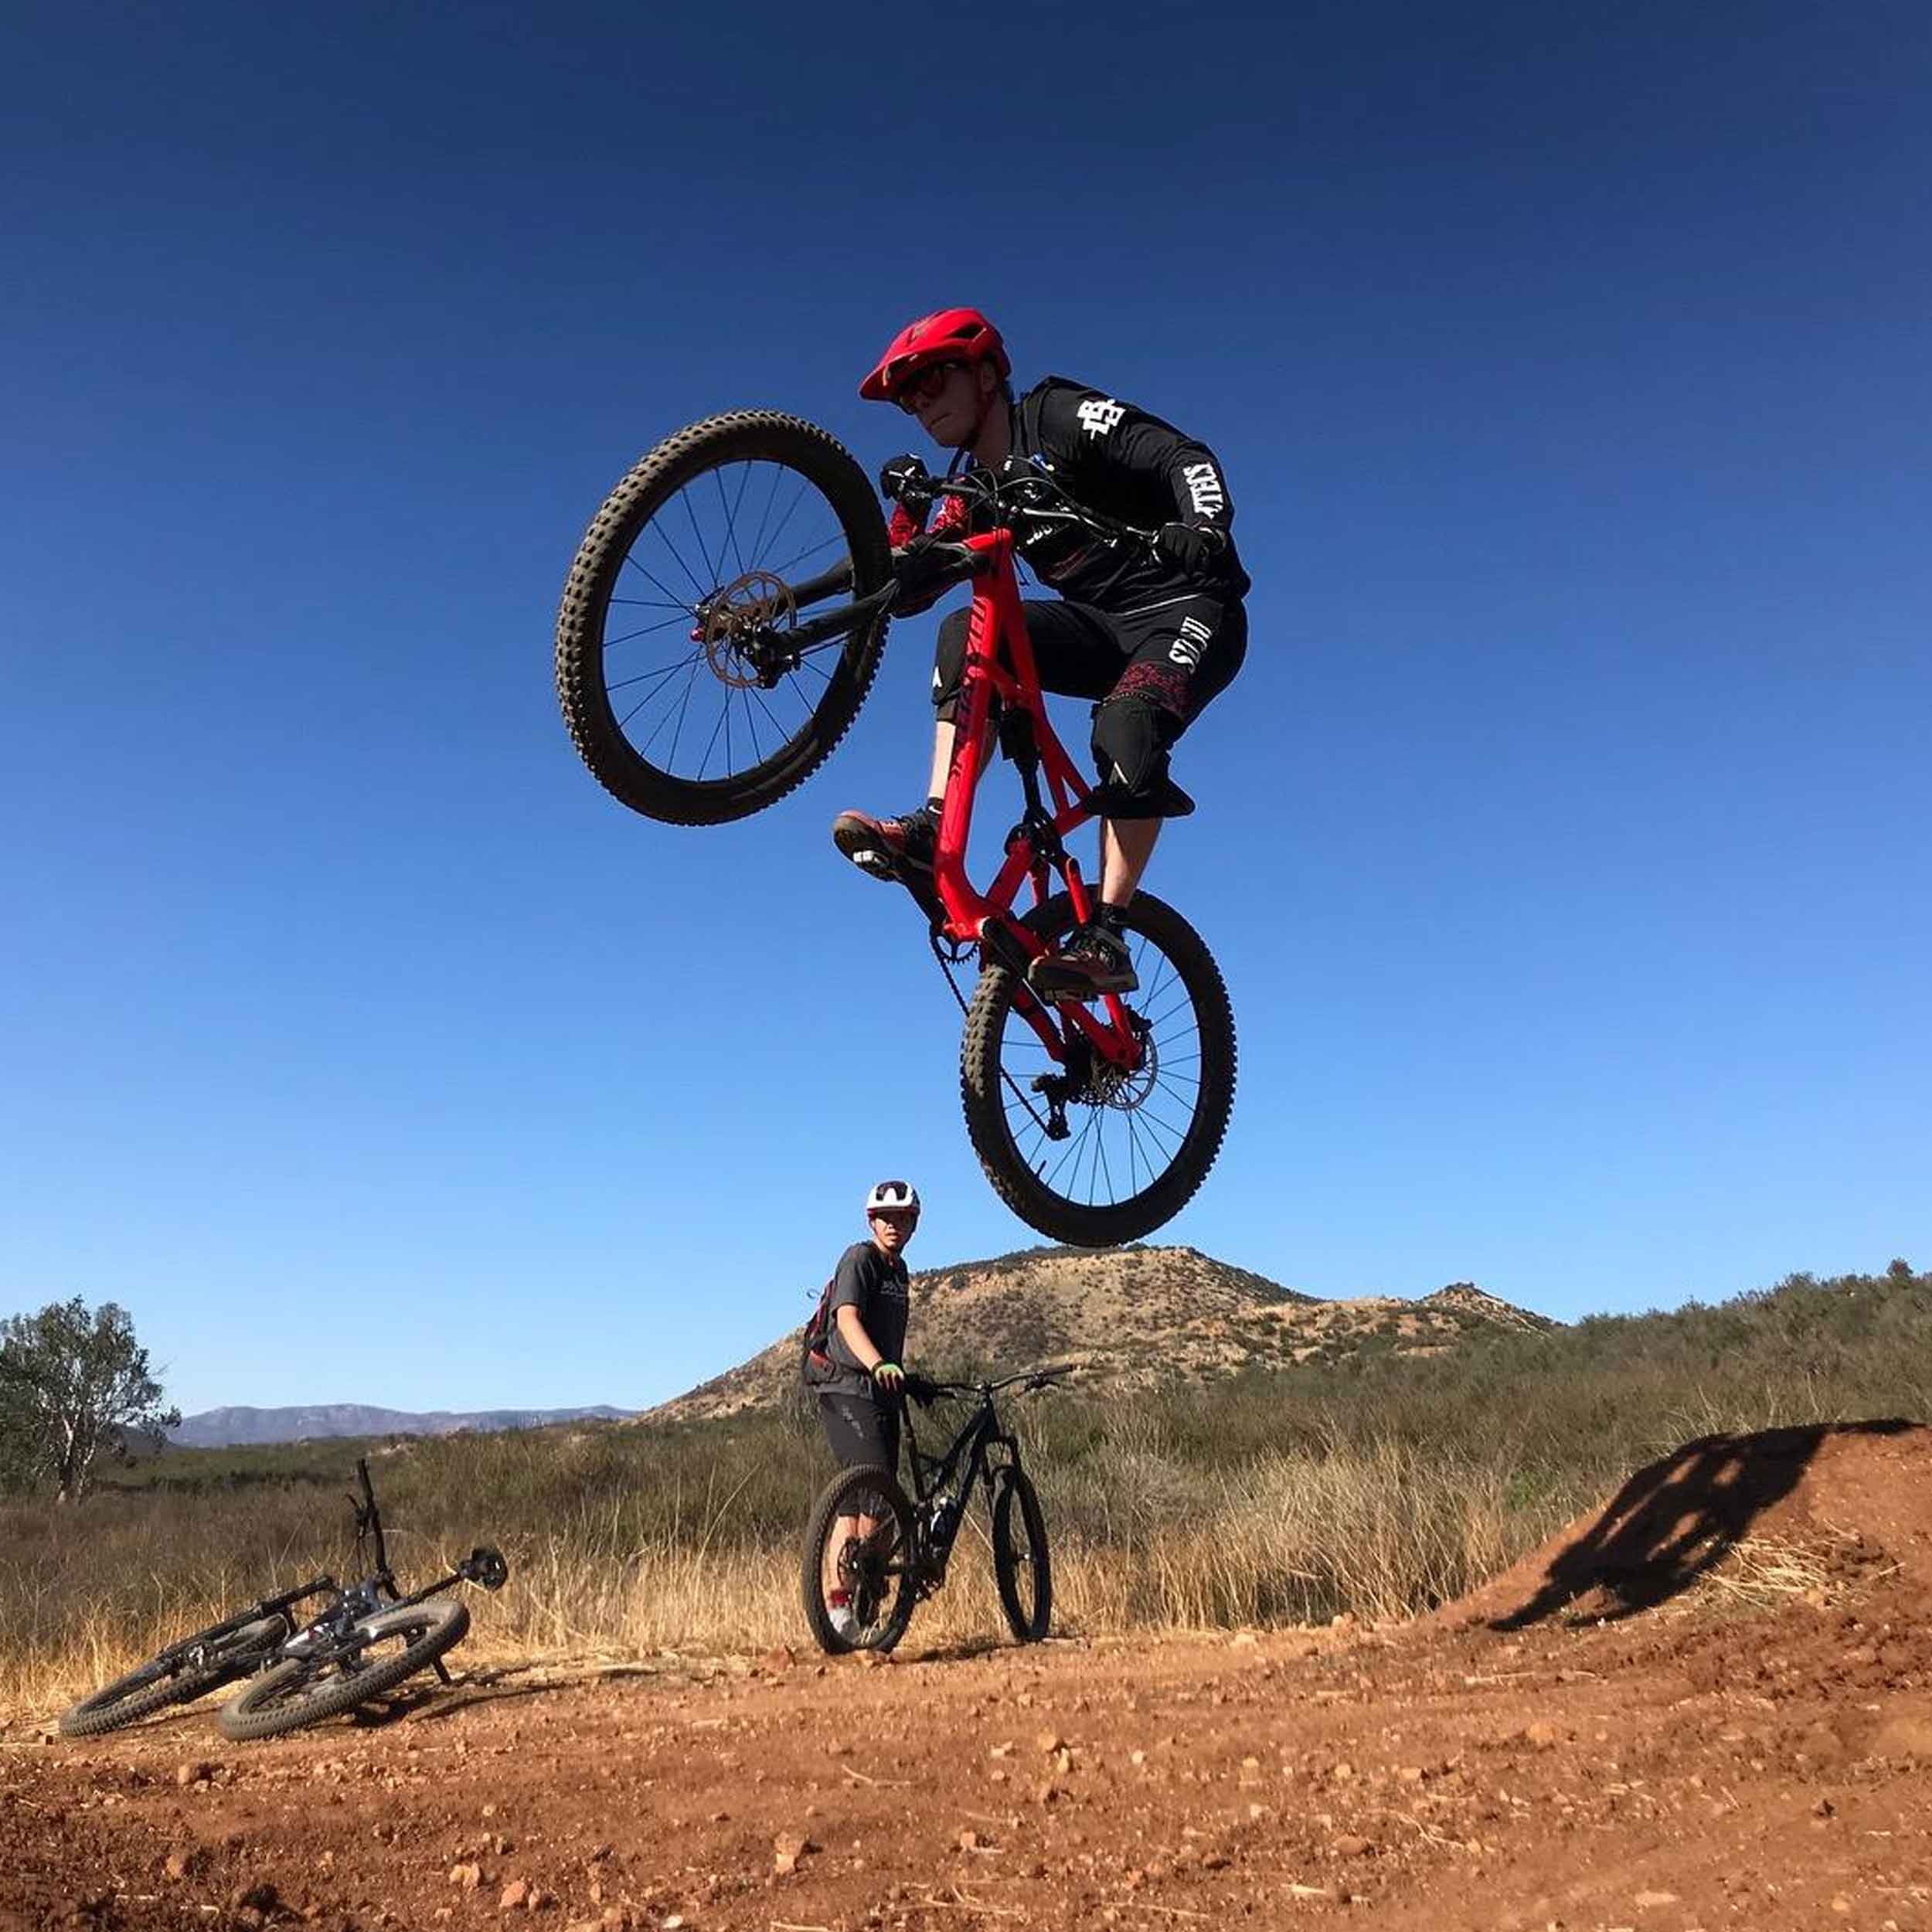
point(1151, 636)
point(862, 1377)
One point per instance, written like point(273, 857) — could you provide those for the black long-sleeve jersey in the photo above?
point(1117, 460)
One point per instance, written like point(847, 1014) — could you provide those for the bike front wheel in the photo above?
point(1021, 1568)
point(859, 1577)
point(1087, 1153)
point(679, 691)
point(180, 1674)
point(391, 1645)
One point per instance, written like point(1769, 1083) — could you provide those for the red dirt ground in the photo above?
point(1616, 1734)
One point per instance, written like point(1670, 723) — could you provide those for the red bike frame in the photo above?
point(999, 666)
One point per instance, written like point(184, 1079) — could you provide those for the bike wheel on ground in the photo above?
point(1021, 1568)
point(180, 1674)
point(392, 1645)
point(859, 1546)
point(681, 589)
point(1137, 1145)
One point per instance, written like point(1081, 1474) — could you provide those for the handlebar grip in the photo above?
point(907, 480)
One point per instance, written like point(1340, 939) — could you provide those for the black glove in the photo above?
point(927, 568)
point(906, 480)
point(1193, 549)
point(888, 1377)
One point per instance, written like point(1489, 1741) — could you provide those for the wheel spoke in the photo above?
point(664, 537)
point(731, 528)
point(690, 517)
point(648, 630)
point(631, 562)
point(731, 516)
point(791, 563)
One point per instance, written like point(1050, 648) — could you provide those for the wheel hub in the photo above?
point(742, 627)
point(1090, 1080)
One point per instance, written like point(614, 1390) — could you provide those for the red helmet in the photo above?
point(950, 335)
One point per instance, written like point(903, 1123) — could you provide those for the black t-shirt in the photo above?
point(1110, 456)
point(874, 1283)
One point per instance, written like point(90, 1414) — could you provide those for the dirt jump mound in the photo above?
point(1805, 1510)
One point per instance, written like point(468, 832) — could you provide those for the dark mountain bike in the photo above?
point(872, 1553)
point(721, 624)
point(367, 1639)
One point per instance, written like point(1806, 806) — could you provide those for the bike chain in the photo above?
point(946, 966)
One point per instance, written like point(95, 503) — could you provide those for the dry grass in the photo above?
point(1766, 1572)
point(1287, 1539)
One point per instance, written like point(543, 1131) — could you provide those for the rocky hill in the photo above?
point(220, 1428)
point(1130, 1317)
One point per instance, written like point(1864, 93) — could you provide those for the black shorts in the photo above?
point(862, 1434)
point(1177, 653)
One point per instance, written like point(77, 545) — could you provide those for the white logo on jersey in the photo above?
point(1100, 414)
point(1204, 486)
point(1195, 638)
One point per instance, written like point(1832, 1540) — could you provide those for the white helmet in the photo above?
point(893, 1197)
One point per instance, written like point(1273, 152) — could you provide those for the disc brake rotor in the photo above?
point(1126, 1087)
point(748, 607)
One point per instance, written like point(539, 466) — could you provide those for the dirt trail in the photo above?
point(1648, 1742)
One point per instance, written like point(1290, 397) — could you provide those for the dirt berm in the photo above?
point(1709, 1704)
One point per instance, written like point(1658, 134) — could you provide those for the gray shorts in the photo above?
point(862, 1434)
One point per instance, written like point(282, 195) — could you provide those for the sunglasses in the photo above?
point(925, 386)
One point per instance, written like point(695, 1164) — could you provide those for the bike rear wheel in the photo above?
point(1021, 1568)
point(178, 1675)
point(875, 1567)
point(395, 1643)
point(1137, 1145)
point(686, 571)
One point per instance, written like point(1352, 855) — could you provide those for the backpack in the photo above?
point(815, 1364)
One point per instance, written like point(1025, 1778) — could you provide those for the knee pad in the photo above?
point(949, 663)
point(1131, 741)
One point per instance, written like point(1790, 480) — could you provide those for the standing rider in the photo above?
point(864, 1343)
point(1150, 634)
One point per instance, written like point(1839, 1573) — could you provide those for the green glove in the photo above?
point(889, 1376)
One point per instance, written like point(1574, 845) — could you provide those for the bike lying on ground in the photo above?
point(884, 1552)
point(696, 693)
point(367, 1640)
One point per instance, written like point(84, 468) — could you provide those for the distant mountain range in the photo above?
point(225, 1428)
point(1132, 1318)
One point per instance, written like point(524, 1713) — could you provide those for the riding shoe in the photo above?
point(1093, 961)
point(887, 848)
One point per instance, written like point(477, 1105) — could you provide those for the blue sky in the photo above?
point(1562, 841)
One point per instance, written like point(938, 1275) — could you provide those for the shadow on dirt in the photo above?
point(962, 1650)
point(1674, 1520)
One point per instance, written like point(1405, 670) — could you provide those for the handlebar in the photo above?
point(369, 1520)
point(1022, 489)
point(924, 1389)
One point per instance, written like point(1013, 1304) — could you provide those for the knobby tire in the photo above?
point(745, 437)
point(299, 1692)
point(1026, 1617)
point(983, 1092)
point(169, 1678)
point(835, 1500)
